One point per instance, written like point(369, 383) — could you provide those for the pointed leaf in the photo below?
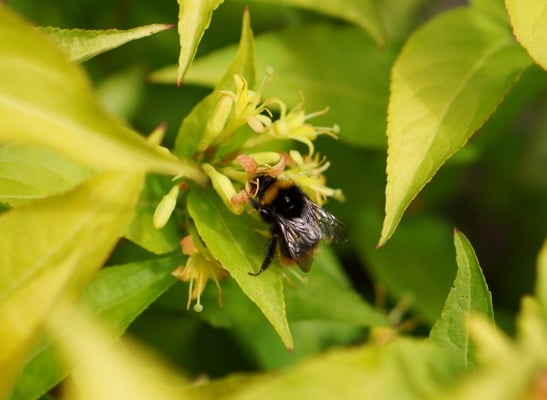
point(468, 296)
point(529, 21)
point(115, 296)
point(363, 13)
point(48, 101)
point(193, 126)
point(28, 173)
point(52, 246)
point(80, 44)
point(234, 243)
point(449, 78)
point(194, 19)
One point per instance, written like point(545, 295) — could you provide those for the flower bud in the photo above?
point(216, 122)
point(165, 208)
point(224, 187)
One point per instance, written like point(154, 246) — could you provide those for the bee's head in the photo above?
point(259, 184)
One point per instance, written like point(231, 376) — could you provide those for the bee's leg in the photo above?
point(270, 253)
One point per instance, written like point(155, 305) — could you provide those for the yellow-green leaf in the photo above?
point(104, 371)
point(239, 248)
point(81, 44)
point(468, 296)
point(29, 172)
point(194, 19)
point(47, 101)
point(529, 21)
point(115, 296)
point(449, 78)
point(52, 246)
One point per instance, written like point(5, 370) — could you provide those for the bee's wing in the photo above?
point(299, 235)
point(303, 233)
point(331, 228)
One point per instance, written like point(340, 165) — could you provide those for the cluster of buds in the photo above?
point(234, 110)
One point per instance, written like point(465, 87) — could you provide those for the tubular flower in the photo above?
point(247, 108)
point(307, 172)
point(292, 125)
point(200, 267)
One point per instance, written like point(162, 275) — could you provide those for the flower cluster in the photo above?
point(230, 173)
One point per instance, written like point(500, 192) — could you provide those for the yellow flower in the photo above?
point(200, 267)
point(247, 108)
point(307, 172)
point(292, 125)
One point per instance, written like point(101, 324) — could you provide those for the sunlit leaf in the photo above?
point(80, 44)
point(193, 126)
point(48, 101)
point(529, 21)
point(468, 296)
point(194, 19)
point(115, 296)
point(358, 85)
point(52, 246)
point(363, 13)
point(105, 371)
point(532, 330)
point(449, 78)
point(29, 172)
point(405, 368)
point(240, 249)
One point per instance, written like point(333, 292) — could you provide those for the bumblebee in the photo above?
point(297, 223)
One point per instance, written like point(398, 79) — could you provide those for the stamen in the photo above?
point(198, 307)
point(190, 289)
